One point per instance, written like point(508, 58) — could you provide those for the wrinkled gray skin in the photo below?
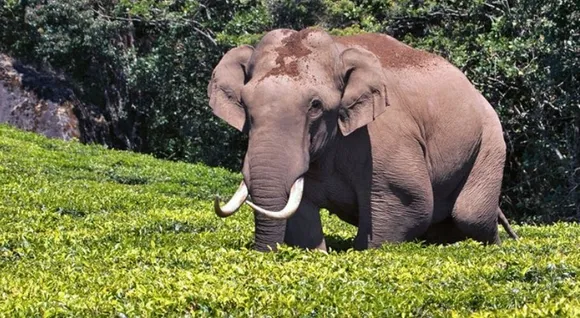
point(392, 140)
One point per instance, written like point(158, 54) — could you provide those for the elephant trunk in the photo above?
point(291, 206)
point(273, 177)
point(269, 193)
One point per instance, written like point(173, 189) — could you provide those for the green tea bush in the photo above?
point(86, 231)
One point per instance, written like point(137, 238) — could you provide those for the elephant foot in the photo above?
point(361, 242)
point(322, 247)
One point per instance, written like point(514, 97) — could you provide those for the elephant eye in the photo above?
point(315, 108)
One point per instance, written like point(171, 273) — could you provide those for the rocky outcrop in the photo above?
point(45, 103)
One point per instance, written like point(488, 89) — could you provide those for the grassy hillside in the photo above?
point(86, 231)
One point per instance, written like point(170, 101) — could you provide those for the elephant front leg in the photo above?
point(304, 228)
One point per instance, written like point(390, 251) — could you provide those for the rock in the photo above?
point(45, 103)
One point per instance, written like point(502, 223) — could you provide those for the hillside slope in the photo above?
point(86, 231)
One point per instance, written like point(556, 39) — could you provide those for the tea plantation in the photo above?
point(86, 231)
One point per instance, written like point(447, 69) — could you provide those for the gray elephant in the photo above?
point(393, 140)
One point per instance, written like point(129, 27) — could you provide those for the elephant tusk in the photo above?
point(291, 206)
point(234, 204)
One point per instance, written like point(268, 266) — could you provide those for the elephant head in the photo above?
point(295, 94)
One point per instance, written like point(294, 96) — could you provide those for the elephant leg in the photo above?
point(476, 208)
point(393, 222)
point(304, 228)
point(394, 219)
point(400, 206)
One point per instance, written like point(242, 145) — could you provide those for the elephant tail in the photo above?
point(504, 222)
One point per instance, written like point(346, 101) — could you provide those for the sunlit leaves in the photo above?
point(78, 237)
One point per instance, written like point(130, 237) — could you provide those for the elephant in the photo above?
point(393, 140)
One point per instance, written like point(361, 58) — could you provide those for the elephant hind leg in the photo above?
point(401, 201)
point(473, 217)
point(447, 231)
point(478, 226)
point(475, 211)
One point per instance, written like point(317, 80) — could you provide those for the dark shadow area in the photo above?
point(249, 245)
point(45, 85)
point(338, 244)
point(128, 179)
point(73, 212)
point(442, 233)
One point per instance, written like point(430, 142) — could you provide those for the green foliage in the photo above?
point(295, 14)
point(86, 231)
point(146, 64)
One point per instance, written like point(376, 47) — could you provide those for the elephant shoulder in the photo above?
point(391, 52)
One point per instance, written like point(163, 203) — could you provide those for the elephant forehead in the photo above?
point(299, 70)
point(273, 88)
point(306, 70)
point(296, 58)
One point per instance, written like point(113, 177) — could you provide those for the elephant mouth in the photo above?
point(241, 196)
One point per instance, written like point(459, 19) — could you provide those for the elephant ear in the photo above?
point(225, 86)
point(364, 95)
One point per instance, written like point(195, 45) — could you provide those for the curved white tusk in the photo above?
point(291, 206)
point(234, 204)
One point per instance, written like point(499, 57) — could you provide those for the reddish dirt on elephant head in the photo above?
point(390, 52)
point(292, 48)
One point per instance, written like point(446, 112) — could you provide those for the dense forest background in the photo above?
point(146, 64)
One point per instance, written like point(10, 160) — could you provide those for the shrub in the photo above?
point(86, 231)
